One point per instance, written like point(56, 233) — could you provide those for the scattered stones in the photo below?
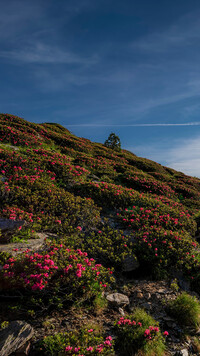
point(14, 337)
point(117, 299)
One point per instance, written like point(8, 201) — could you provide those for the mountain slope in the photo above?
point(92, 203)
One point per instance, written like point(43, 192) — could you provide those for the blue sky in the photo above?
point(131, 67)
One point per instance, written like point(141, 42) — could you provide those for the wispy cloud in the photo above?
point(42, 53)
point(183, 32)
point(137, 125)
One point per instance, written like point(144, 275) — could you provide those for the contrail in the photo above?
point(135, 125)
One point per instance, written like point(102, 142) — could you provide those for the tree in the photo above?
point(113, 142)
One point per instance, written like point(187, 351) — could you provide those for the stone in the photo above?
point(13, 337)
point(117, 299)
point(161, 291)
point(121, 311)
point(183, 352)
point(8, 224)
point(130, 263)
point(18, 247)
point(139, 295)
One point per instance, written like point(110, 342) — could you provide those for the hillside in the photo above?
point(80, 222)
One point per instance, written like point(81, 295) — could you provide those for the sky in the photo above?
point(130, 67)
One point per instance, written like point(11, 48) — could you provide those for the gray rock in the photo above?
point(117, 299)
point(8, 224)
point(183, 352)
point(130, 263)
point(18, 247)
point(14, 337)
point(121, 311)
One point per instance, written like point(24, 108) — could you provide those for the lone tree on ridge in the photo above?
point(113, 142)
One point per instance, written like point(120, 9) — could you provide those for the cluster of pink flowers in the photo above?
point(99, 348)
point(151, 332)
point(42, 265)
point(123, 321)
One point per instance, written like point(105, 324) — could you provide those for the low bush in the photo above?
point(83, 342)
point(186, 310)
point(61, 272)
point(139, 333)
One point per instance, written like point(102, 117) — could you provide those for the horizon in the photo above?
point(131, 68)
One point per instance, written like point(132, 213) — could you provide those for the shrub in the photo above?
point(84, 342)
point(139, 332)
point(60, 272)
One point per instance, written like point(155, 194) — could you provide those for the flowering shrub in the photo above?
point(68, 272)
point(139, 332)
point(143, 217)
point(83, 342)
point(48, 181)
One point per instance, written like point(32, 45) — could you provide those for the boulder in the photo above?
point(18, 247)
point(14, 337)
point(117, 299)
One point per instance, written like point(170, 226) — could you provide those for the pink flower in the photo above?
point(90, 330)
point(68, 348)
point(79, 228)
point(90, 348)
point(165, 333)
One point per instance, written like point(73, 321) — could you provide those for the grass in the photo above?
point(186, 310)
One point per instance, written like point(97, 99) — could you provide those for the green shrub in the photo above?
point(84, 342)
point(139, 333)
point(186, 309)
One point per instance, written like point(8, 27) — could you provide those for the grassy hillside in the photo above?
point(95, 206)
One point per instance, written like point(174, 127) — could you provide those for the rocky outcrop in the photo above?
point(14, 337)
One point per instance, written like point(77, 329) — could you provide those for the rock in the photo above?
point(117, 299)
point(18, 247)
point(161, 291)
point(130, 263)
point(183, 352)
point(139, 295)
point(121, 311)
point(182, 281)
point(14, 337)
point(8, 224)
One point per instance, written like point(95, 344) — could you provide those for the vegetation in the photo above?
point(96, 204)
point(113, 142)
point(186, 309)
point(139, 332)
